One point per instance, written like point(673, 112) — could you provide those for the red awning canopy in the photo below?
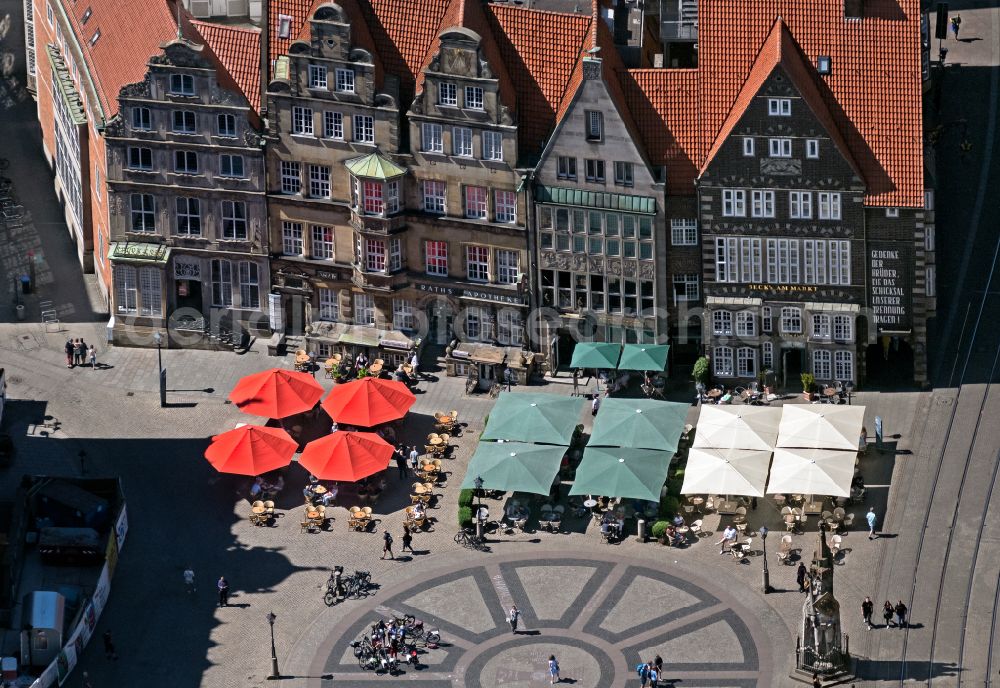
point(368, 402)
point(251, 450)
point(276, 393)
point(347, 456)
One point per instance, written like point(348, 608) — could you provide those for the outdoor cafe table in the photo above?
point(812, 508)
point(434, 441)
point(312, 514)
point(590, 503)
point(319, 489)
point(727, 508)
point(259, 509)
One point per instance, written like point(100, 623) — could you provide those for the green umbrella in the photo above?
point(533, 417)
point(639, 424)
point(597, 355)
point(617, 472)
point(514, 466)
point(644, 357)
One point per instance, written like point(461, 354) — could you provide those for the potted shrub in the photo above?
point(464, 516)
point(700, 372)
point(808, 380)
point(659, 531)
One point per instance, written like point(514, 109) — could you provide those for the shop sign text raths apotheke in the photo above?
point(890, 289)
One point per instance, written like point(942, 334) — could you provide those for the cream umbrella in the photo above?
point(825, 472)
point(726, 471)
point(821, 426)
point(737, 427)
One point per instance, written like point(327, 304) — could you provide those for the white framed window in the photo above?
point(143, 209)
point(734, 203)
point(322, 242)
point(374, 255)
point(767, 355)
point(436, 257)
point(748, 146)
point(364, 309)
point(821, 326)
point(185, 162)
point(840, 262)
point(302, 121)
point(447, 94)
point(48, 13)
point(476, 200)
point(317, 76)
point(329, 305)
point(188, 216)
point(364, 129)
point(510, 329)
point(685, 287)
point(291, 181)
point(141, 119)
point(492, 145)
point(623, 174)
point(431, 139)
point(291, 238)
point(181, 84)
point(226, 125)
point(595, 125)
point(843, 365)
point(812, 148)
point(505, 206)
point(684, 232)
point(435, 195)
point(508, 268)
point(222, 283)
point(746, 324)
point(722, 361)
point(746, 362)
point(140, 158)
point(763, 203)
point(231, 165)
point(395, 254)
point(345, 80)
point(319, 181)
point(782, 261)
point(284, 26)
point(791, 320)
point(722, 322)
point(374, 202)
point(726, 261)
point(892, 212)
point(333, 125)
point(595, 170)
point(821, 368)
point(930, 286)
point(779, 148)
point(566, 167)
point(765, 320)
point(780, 107)
point(829, 205)
point(461, 142)
point(929, 238)
point(402, 314)
point(475, 323)
point(477, 263)
point(150, 292)
point(473, 98)
point(800, 205)
point(249, 274)
point(750, 259)
point(843, 328)
point(126, 289)
point(234, 220)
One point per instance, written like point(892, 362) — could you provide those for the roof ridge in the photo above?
point(226, 27)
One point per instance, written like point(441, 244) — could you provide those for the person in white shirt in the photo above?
point(189, 580)
point(728, 538)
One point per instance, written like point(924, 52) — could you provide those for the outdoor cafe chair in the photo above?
point(696, 528)
point(785, 550)
point(741, 517)
point(269, 508)
point(741, 550)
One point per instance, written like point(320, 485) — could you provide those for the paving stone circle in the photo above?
point(597, 616)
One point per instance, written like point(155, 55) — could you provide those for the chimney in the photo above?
point(854, 9)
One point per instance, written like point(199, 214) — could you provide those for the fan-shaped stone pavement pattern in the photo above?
point(597, 616)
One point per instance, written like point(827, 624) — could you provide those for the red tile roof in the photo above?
point(118, 57)
point(238, 51)
point(298, 11)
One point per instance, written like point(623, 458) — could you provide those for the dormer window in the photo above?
point(473, 98)
point(345, 80)
point(447, 94)
point(779, 107)
point(284, 26)
point(595, 125)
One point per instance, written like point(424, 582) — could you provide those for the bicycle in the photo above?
point(468, 538)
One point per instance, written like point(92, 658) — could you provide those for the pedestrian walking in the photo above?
point(554, 670)
point(387, 545)
point(189, 580)
point(92, 357)
point(642, 669)
point(867, 609)
point(901, 614)
point(407, 539)
point(69, 353)
point(956, 24)
point(654, 677)
point(79, 352)
point(86, 681)
point(658, 663)
point(513, 616)
point(871, 518)
point(414, 458)
point(223, 586)
point(576, 382)
point(887, 611)
point(595, 405)
point(109, 645)
point(800, 577)
point(400, 458)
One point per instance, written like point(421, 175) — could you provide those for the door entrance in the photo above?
point(441, 322)
point(487, 376)
point(889, 363)
point(295, 314)
point(189, 295)
point(792, 366)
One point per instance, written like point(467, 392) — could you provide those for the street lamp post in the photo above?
point(158, 338)
point(850, 388)
point(767, 575)
point(479, 494)
point(274, 655)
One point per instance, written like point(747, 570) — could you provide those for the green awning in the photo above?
point(639, 424)
point(140, 252)
point(63, 81)
point(617, 472)
point(597, 355)
point(374, 166)
point(595, 199)
point(644, 357)
point(514, 467)
point(534, 417)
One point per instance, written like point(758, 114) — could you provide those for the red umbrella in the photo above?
point(276, 393)
point(347, 456)
point(251, 450)
point(368, 402)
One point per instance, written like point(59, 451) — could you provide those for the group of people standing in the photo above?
point(651, 672)
point(78, 353)
point(889, 610)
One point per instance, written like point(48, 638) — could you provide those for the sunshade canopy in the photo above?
point(737, 427)
point(348, 456)
point(726, 471)
point(276, 393)
point(599, 355)
point(822, 426)
point(617, 472)
point(812, 471)
point(533, 417)
point(514, 467)
point(639, 424)
point(644, 357)
point(368, 402)
point(251, 450)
